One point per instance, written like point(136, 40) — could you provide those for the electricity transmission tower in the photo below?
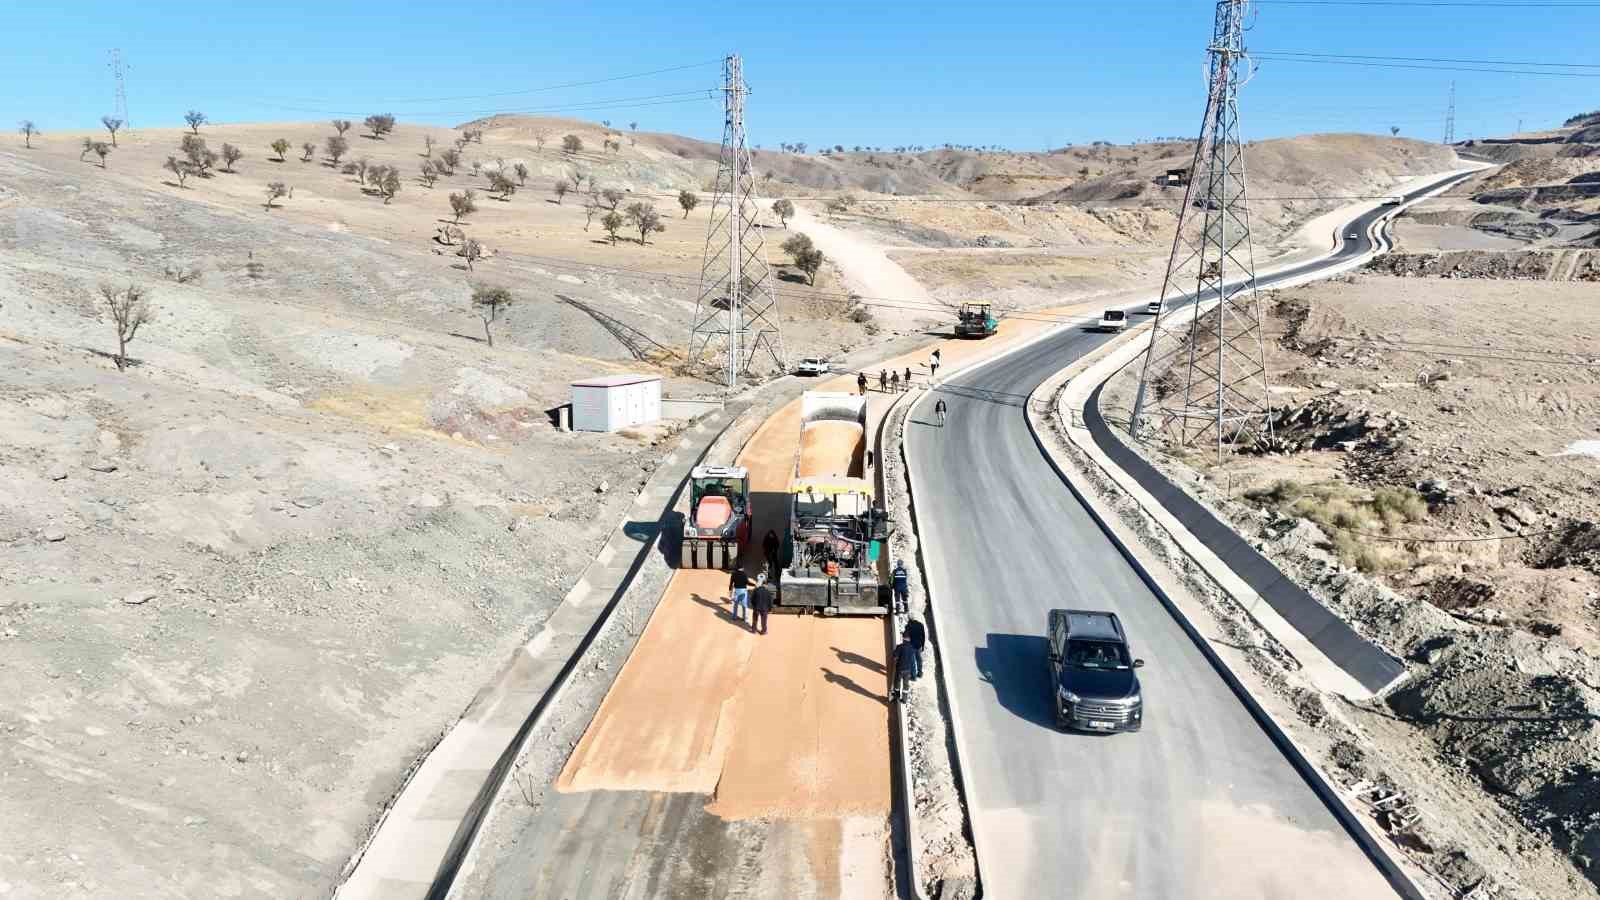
point(1450, 117)
point(118, 71)
point(736, 313)
point(1205, 373)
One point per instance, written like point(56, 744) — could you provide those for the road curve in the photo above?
point(1201, 803)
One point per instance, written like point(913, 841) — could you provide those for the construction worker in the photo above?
point(883, 380)
point(939, 411)
point(904, 667)
point(739, 586)
point(894, 382)
point(933, 367)
point(769, 549)
point(908, 378)
point(861, 383)
point(937, 358)
point(902, 585)
point(760, 606)
point(918, 636)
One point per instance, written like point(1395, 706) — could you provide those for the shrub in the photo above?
point(336, 147)
point(230, 155)
point(463, 204)
point(178, 167)
point(379, 124)
point(1396, 505)
point(612, 222)
point(561, 187)
point(281, 147)
point(307, 150)
point(1281, 492)
point(572, 143)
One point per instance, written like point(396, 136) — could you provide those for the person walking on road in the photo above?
point(933, 368)
point(760, 606)
point(918, 636)
point(769, 549)
point(894, 381)
point(938, 359)
point(904, 666)
point(739, 586)
point(908, 378)
point(939, 411)
point(861, 383)
point(883, 380)
point(902, 585)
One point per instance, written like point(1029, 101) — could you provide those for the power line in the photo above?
point(1455, 3)
point(643, 100)
point(1429, 67)
point(536, 90)
point(1431, 59)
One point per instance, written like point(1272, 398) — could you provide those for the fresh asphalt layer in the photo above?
point(1201, 803)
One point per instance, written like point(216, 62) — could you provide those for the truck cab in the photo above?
point(1093, 683)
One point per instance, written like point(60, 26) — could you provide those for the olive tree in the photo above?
point(379, 124)
point(488, 301)
point(430, 172)
point(807, 258)
point(28, 131)
point(129, 310)
point(688, 200)
point(612, 223)
point(502, 184)
point(275, 190)
point(111, 124)
point(613, 197)
point(449, 159)
point(572, 143)
point(230, 155)
point(471, 251)
point(307, 150)
point(201, 158)
point(281, 147)
point(591, 208)
point(336, 147)
point(784, 210)
point(195, 118)
point(388, 182)
point(561, 187)
point(644, 217)
point(178, 167)
point(463, 204)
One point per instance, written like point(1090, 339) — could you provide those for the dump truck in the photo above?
point(718, 524)
point(976, 320)
point(836, 531)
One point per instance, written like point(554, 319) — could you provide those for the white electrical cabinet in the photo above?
point(614, 402)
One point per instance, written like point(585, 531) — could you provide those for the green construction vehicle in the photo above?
point(976, 320)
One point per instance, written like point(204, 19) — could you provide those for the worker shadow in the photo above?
point(671, 550)
point(983, 395)
point(723, 610)
point(1015, 665)
point(850, 685)
point(851, 658)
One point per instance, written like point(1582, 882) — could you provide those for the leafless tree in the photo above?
point(591, 207)
point(427, 143)
point(688, 200)
point(488, 301)
point(561, 188)
point(230, 155)
point(28, 131)
point(379, 124)
point(612, 196)
point(307, 149)
point(644, 217)
point(502, 184)
point(471, 251)
point(181, 168)
point(539, 139)
point(336, 146)
point(275, 190)
point(102, 150)
point(612, 222)
point(341, 126)
point(129, 309)
point(362, 165)
point(784, 210)
point(522, 172)
point(430, 173)
point(463, 204)
point(281, 147)
point(111, 124)
point(572, 143)
point(195, 118)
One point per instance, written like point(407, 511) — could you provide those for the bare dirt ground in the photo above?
point(1434, 454)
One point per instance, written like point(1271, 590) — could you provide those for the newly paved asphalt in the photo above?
point(1198, 804)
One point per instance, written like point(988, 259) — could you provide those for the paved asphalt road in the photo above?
point(1198, 804)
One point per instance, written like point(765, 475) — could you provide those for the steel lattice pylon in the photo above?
point(1205, 370)
point(736, 313)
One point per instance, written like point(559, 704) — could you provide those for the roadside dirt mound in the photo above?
point(1516, 265)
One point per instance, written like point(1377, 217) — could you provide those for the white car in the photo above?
point(812, 365)
point(1153, 308)
point(1353, 236)
point(1113, 320)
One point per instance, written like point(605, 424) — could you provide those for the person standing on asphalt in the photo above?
point(739, 586)
point(937, 358)
point(908, 378)
point(861, 382)
point(905, 662)
point(760, 606)
point(902, 585)
point(883, 380)
point(894, 381)
point(769, 549)
point(918, 636)
point(939, 411)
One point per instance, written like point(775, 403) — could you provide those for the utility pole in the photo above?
point(120, 107)
point(1450, 117)
point(1205, 374)
point(736, 313)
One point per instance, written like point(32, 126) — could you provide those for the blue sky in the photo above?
point(1023, 75)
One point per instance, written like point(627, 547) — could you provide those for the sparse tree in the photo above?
point(427, 143)
point(1394, 130)
point(784, 210)
point(463, 204)
point(612, 222)
point(388, 184)
point(839, 205)
point(430, 173)
point(28, 131)
point(341, 126)
point(522, 172)
point(129, 309)
point(379, 124)
point(561, 188)
point(644, 217)
point(489, 301)
point(539, 139)
point(571, 143)
point(475, 135)
point(809, 262)
point(102, 150)
point(307, 150)
point(449, 159)
point(336, 146)
point(591, 208)
point(606, 122)
point(797, 244)
point(275, 190)
point(281, 147)
point(502, 184)
point(195, 118)
point(178, 167)
point(111, 124)
point(201, 158)
point(688, 200)
point(230, 155)
point(613, 197)
point(471, 251)
point(362, 165)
